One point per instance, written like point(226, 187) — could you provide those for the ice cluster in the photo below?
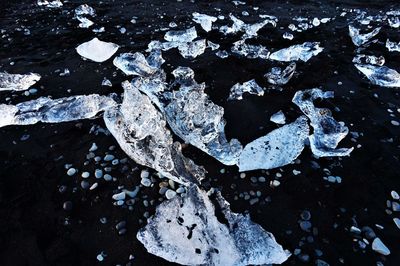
point(204, 20)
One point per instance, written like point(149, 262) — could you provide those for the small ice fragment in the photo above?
point(395, 195)
point(380, 75)
point(50, 4)
point(135, 64)
point(394, 22)
point(222, 54)
point(84, 22)
point(47, 110)
point(85, 10)
point(17, 82)
point(250, 86)
point(106, 82)
point(316, 22)
point(192, 49)
point(119, 196)
point(392, 46)
point(369, 59)
point(250, 30)
point(288, 36)
point(327, 131)
point(213, 46)
point(360, 39)
point(278, 118)
point(249, 50)
point(181, 36)
point(186, 230)
point(169, 194)
point(378, 246)
point(297, 52)
point(397, 222)
point(96, 50)
point(71, 171)
point(277, 76)
point(278, 148)
point(204, 20)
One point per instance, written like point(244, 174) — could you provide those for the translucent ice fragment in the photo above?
point(392, 46)
point(297, 52)
point(278, 148)
point(204, 20)
point(250, 86)
point(17, 82)
point(85, 22)
point(50, 4)
point(192, 49)
point(278, 118)
point(369, 59)
point(186, 230)
point(288, 36)
point(394, 22)
point(181, 35)
point(277, 76)
point(141, 132)
point(96, 50)
point(85, 10)
point(222, 54)
point(380, 75)
point(360, 39)
point(137, 64)
point(327, 131)
point(250, 51)
point(250, 30)
point(213, 46)
point(47, 110)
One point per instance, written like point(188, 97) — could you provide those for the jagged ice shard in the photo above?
point(277, 76)
point(360, 39)
point(250, 87)
point(250, 30)
point(249, 50)
point(327, 131)
point(380, 75)
point(297, 52)
point(204, 20)
point(47, 110)
point(137, 64)
point(186, 230)
point(96, 50)
point(17, 82)
point(369, 59)
point(141, 132)
point(392, 46)
point(278, 148)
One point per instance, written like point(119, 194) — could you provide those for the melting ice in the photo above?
point(250, 86)
point(380, 75)
point(204, 20)
point(297, 52)
point(392, 46)
point(250, 30)
point(360, 39)
point(369, 59)
point(17, 82)
point(50, 4)
point(96, 50)
point(277, 76)
point(249, 50)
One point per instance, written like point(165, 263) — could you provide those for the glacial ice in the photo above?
point(277, 76)
point(17, 82)
point(96, 50)
point(369, 59)
point(297, 52)
point(250, 30)
point(392, 46)
point(278, 148)
point(80, 14)
point(192, 49)
point(380, 75)
point(181, 36)
point(50, 4)
point(249, 50)
point(84, 22)
point(141, 132)
point(250, 86)
point(360, 39)
point(186, 230)
point(49, 110)
point(278, 118)
point(204, 20)
point(137, 64)
point(327, 131)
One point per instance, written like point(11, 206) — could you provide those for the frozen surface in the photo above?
point(278, 148)
point(380, 75)
point(392, 46)
point(141, 132)
point(360, 39)
point(297, 52)
point(250, 86)
point(204, 20)
point(47, 110)
point(327, 131)
point(137, 64)
point(17, 82)
point(369, 59)
point(186, 230)
point(277, 76)
point(96, 50)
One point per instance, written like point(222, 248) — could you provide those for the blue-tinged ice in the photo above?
point(297, 52)
point(360, 39)
point(204, 20)
point(17, 82)
point(251, 87)
point(380, 75)
point(277, 76)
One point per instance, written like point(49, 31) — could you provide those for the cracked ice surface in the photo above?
point(204, 20)
point(250, 86)
point(380, 75)
point(327, 131)
point(278, 148)
point(96, 50)
point(141, 132)
point(186, 230)
point(360, 39)
point(192, 49)
point(47, 110)
point(277, 76)
point(297, 52)
point(17, 82)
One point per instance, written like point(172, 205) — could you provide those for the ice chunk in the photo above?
point(327, 131)
point(394, 22)
point(137, 64)
point(369, 59)
point(277, 76)
point(250, 30)
point(212, 46)
point(380, 75)
point(96, 50)
point(250, 86)
point(360, 39)
point(85, 22)
point(141, 132)
point(85, 9)
point(17, 82)
point(250, 51)
point(192, 49)
point(392, 46)
point(47, 110)
point(297, 52)
point(204, 20)
point(181, 36)
point(278, 148)
point(278, 118)
point(186, 230)
point(378, 246)
point(50, 4)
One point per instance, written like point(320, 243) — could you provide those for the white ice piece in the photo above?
point(17, 82)
point(50, 4)
point(136, 64)
point(392, 46)
point(251, 86)
point(277, 76)
point(278, 118)
point(380, 75)
point(204, 20)
point(378, 246)
point(297, 52)
point(96, 50)
point(369, 59)
point(360, 39)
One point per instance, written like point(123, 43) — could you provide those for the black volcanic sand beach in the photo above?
point(36, 230)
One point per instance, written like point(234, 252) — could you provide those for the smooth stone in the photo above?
point(397, 222)
point(67, 205)
point(85, 174)
point(119, 196)
point(71, 171)
point(169, 194)
point(305, 226)
point(145, 182)
point(120, 225)
point(395, 195)
point(109, 157)
point(98, 173)
point(305, 215)
point(144, 174)
point(93, 148)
